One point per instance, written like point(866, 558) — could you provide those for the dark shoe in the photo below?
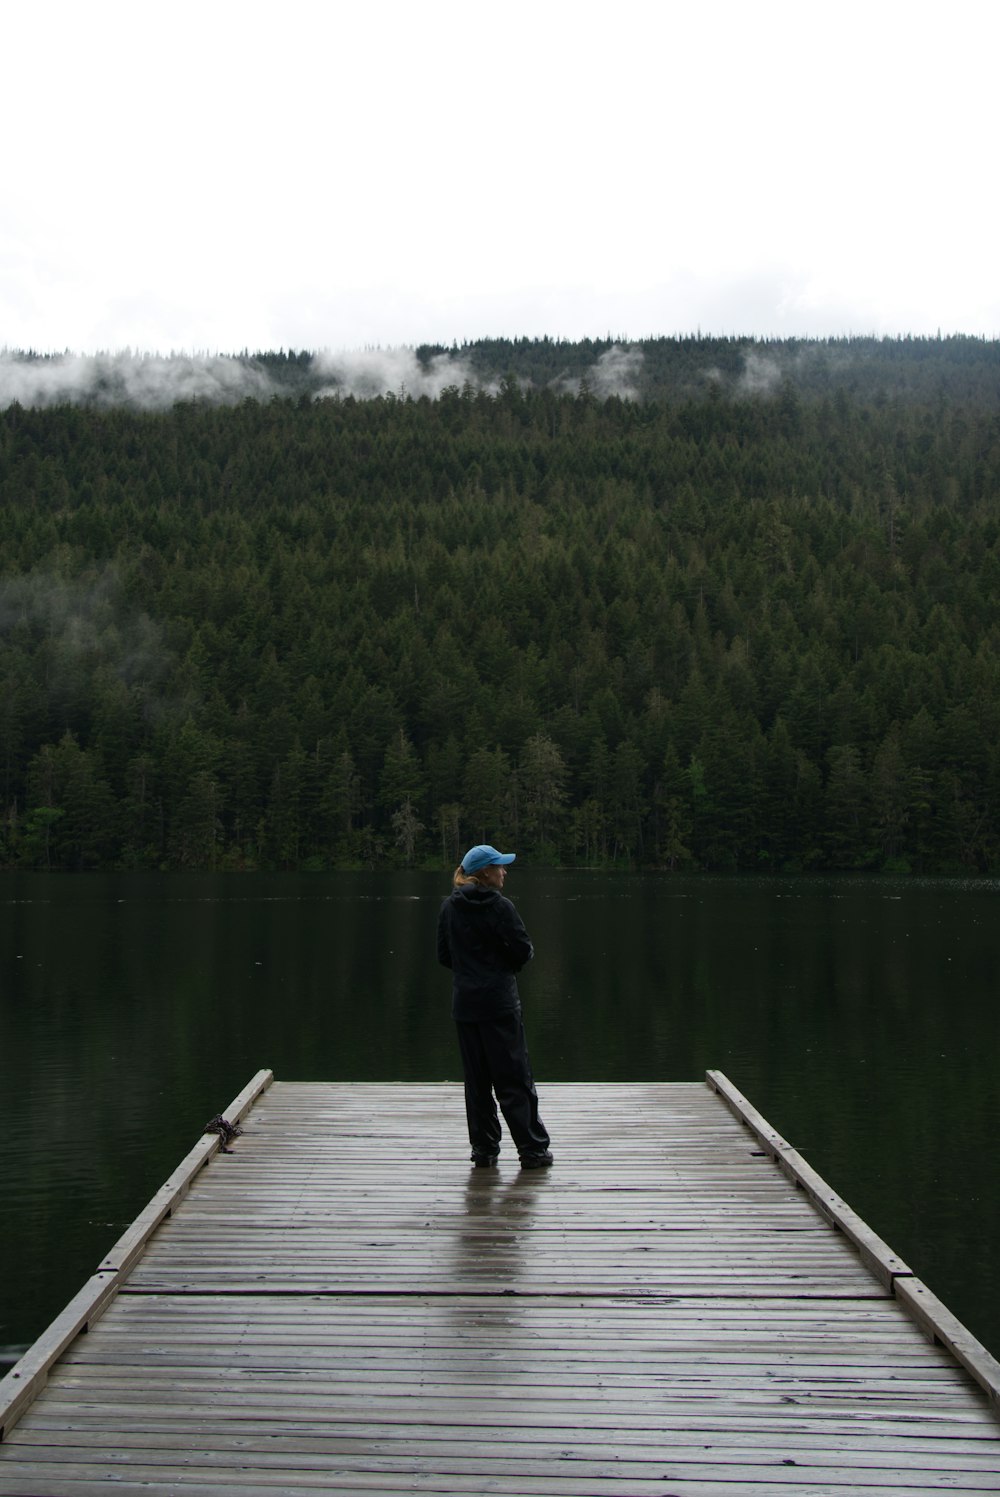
point(536, 1161)
point(484, 1161)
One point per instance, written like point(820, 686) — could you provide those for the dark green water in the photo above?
point(860, 1016)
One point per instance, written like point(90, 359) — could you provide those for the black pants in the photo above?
point(495, 1059)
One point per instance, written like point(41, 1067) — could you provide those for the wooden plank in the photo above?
point(908, 1448)
point(664, 1479)
point(304, 1486)
point(733, 1466)
point(84, 1484)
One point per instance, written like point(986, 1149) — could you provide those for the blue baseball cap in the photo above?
point(484, 856)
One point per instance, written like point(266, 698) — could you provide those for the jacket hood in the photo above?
point(475, 894)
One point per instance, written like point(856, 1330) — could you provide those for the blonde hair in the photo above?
point(460, 877)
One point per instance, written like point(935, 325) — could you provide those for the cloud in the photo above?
point(615, 374)
point(761, 375)
point(152, 382)
point(398, 371)
point(85, 624)
point(368, 373)
point(146, 381)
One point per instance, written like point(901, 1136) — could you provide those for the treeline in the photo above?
point(870, 369)
point(715, 633)
point(960, 369)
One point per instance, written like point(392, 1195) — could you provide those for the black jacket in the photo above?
point(482, 938)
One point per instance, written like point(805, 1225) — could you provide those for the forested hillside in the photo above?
point(742, 627)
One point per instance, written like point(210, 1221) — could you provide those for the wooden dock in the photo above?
point(680, 1307)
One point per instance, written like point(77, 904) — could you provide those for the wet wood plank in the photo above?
point(343, 1305)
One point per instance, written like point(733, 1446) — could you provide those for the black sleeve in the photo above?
point(515, 940)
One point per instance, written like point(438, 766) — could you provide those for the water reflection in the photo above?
point(491, 1237)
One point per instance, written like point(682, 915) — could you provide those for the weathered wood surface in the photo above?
point(343, 1305)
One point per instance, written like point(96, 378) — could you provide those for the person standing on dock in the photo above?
point(482, 938)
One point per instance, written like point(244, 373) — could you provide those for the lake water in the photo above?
point(859, 1015)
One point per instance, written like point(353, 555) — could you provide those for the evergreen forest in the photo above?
point(742, 615)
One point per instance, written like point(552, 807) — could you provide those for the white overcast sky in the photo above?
point(217, 176)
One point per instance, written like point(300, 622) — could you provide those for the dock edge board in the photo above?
point(932, 1317)
point(27, 1377)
